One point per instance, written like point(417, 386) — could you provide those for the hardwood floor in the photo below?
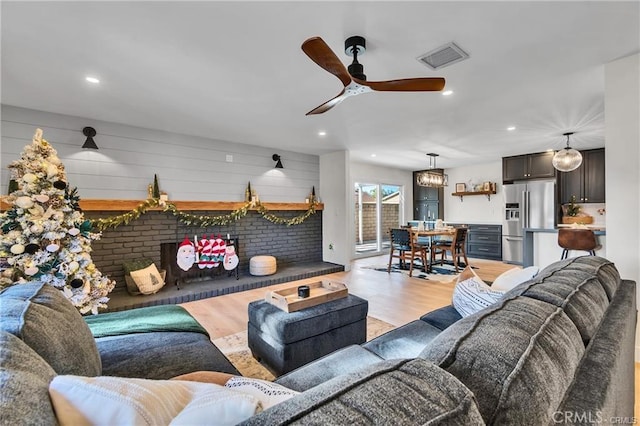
point(394, 298)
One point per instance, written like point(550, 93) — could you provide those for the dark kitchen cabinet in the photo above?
point(426, 210)
point(587, 182)
point(528, 166)
point(484, 241)
point(427, 202)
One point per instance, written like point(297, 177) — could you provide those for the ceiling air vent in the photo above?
point(445, 55)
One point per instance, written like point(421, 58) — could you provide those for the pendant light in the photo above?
point(567, 159)
point(432, 178)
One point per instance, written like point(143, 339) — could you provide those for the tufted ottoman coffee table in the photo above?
point(285, 341)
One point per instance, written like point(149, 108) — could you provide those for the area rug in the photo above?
point(236, 348)
point(442, 273)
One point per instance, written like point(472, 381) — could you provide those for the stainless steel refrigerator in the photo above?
point(526, 205)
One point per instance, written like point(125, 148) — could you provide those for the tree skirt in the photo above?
point(442, 273)
point(236, 348)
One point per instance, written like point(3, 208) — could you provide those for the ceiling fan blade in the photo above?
point(327, 105)
point(425, 84)
point(321, 54)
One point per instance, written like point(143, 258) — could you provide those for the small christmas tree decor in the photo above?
point(44, 236)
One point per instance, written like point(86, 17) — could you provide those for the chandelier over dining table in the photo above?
point(432, 178)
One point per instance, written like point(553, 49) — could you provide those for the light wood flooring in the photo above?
point(394, 298)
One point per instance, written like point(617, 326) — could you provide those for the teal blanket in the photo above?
point(144, 320)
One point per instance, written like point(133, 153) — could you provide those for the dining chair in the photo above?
point(577, 239)
point(456, 246)
point(405, 248)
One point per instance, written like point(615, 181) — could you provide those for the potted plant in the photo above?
point(573, 214)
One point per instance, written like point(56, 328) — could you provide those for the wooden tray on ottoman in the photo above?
point(319, 292)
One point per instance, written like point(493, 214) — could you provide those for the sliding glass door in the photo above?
point(377, 209)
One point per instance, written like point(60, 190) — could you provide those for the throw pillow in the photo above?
point(148, 280)
point(268, 393)
point(471, 294)
point(110, 400)
point(511, 278)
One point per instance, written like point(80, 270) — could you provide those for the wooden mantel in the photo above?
point(126, 205)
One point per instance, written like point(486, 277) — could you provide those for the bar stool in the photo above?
point(577, 239)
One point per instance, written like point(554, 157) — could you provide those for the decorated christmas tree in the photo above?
point(44, 236)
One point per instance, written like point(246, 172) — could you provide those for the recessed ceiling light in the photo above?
point(447, 93)
point(92, 80)
point(373, 155)
point(322, 133)
point(511, 128)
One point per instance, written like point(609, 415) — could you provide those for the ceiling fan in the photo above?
point(354, 80)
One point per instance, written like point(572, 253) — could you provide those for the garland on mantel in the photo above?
point(200, 220)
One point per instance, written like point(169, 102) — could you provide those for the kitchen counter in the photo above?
point(541, 245)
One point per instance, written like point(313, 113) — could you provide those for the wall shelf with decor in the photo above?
point(125, 205)
point(466, 193)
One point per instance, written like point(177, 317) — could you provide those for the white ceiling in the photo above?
point(234, 71)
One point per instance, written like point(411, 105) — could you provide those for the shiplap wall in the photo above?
point(188, 167)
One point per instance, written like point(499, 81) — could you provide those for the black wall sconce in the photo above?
point(276, 158)
point(89, 132)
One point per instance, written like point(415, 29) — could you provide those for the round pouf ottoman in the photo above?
point(262, 265)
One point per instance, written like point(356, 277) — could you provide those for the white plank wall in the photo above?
point(188, 167)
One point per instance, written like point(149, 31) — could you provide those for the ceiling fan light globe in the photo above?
point(567, 159)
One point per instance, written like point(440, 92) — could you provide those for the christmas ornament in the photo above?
point(73, 266)
point(32, 248)
point(73, 231)
point(53, 247)
point(29, 178)
point(185, 258)
point(42, 198)
point(32, 270)
point(36, 228)
point(24, 202)
point(17, 249)
point(59, 184)
point(76, 283)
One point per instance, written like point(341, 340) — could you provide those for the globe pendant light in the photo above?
point(567, 159)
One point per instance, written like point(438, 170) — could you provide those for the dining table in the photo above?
point(430, 233)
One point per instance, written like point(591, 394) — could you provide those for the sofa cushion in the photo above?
point(343, 361)
point(160, 355)
point(397, 392)
point(44, 319)
point(24, 384)
point(442, 318)
point(575, 288)
point(518, 357)
point(403, 342)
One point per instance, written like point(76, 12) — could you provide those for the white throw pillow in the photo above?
point(268, 393)
point(148, 280)
point(471, 294)
point(511, 278)
point(106, 400)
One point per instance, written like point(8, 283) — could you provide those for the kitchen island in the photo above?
point(541, 246)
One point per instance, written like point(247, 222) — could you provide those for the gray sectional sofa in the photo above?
point(43, 335)
point(556, 349)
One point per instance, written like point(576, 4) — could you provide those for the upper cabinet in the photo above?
point(428, 202)
point(528, 166)
point(587, 182)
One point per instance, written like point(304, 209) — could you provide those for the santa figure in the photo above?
point(186, 256)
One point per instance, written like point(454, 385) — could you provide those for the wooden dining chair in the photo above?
point(456, 246)
point(577, 239)
point(405, 248)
